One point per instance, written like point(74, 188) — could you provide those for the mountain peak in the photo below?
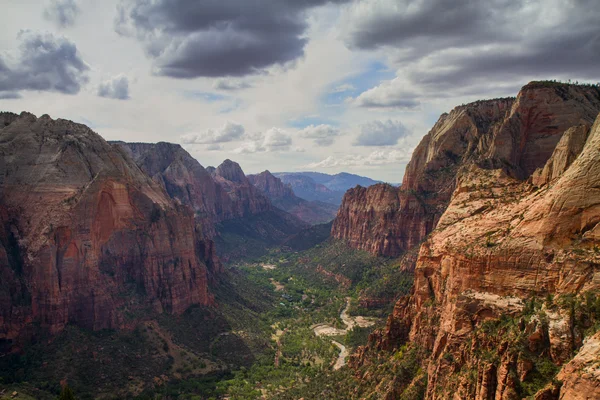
point(231, 171)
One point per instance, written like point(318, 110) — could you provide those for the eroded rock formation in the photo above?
point(86, 237)
point(515, 135)
point(507, 281)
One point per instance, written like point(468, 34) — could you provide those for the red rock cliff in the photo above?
point(186, 181)
point(508, 279)
point(86, 237)
point(518, 135)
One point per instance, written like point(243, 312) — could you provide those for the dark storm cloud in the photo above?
point(381, 133)
point(189, 38)
point(44, 63)
point(62, 12)
point(115, 88)
point(406, 22)
point(475, 47)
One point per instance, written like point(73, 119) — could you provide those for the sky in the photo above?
point(285, 85)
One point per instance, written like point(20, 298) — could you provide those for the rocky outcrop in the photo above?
point(271, 186)
point(86, 237)
point(581, 376)
point(283, 197)
point(512, 263)
point(228, 208)
point(246, 199)
point(567, 149)
point(185, 180)
point(517, 136)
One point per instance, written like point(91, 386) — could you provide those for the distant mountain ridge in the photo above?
point(226, 205)
point(317, 186)
point(282, 196)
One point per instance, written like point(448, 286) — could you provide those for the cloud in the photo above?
point(322, 135)
point(277, 140)
point(273, 140)
point(62, 12)
point(227, 133)
point(389, 94)
point(473, 48)
point(379, 157)
point(190, 38)
point(344, 87)
point(115, 88)
point(214, 147)
point(230, 84)
point(249, 148)
point(45, 63)
point(9, 95)
point(381, 133)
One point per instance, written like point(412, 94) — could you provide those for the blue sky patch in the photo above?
point(205, 96)
point(375, 73)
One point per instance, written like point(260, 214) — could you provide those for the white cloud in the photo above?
point(389, 94)
point(322, 135)
point(115, 88)
point(274, 140)
point(379, 157)
point(381, 133)
point(231, 84)
point(227, 133)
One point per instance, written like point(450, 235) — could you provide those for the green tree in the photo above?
point(66, 394)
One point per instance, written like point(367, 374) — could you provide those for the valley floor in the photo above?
point(282, 322)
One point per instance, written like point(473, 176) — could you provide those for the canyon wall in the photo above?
point(507, 282)
point(86, 237)
point(516, 135)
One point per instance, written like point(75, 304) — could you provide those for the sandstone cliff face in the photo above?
point(186, 181)
point(516, 135)
point(501, 243)
point(247, 200)
point(282, 196)
point(227, 207)
point(86, 237)
point(271, 186)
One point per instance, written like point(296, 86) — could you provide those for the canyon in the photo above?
point(497, 218)
point(283, 197)
point(501, 199)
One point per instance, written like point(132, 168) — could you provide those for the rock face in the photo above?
point(217, 195)
point(86, 237)
point(246, 199)
point(272, 186)
point(185, 180)
point(224, 200)
point(508, 235)
point(581, 376)
point(515, 135)
point(282, 196)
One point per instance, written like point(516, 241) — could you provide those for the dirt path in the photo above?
point(350, 322)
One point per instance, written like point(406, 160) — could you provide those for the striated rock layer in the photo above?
point(516, 135)
point(520, 225)
point(86, 237)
